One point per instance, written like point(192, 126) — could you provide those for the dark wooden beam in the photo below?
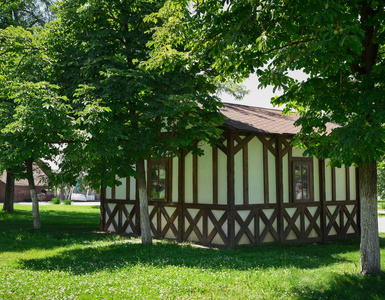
point(113, 190)
point(347, 182)
point(279, 187)
point(322, 195)
point(334, 184)
point(230, 189)
point(102, 206)
point(181, 195)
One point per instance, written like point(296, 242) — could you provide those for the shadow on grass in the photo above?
point(90, 259)
point(356, 286)
point(87, 251)
point(60, 226)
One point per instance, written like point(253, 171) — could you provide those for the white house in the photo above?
point(253, 188)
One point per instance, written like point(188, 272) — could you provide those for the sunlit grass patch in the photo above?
point(69, 259)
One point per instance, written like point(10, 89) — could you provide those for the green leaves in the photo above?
point(337, 44)
point(127, 108)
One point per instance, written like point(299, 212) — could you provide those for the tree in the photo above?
point(25, 13)
point(339, 44)
point(128, 113)
point(33, 117)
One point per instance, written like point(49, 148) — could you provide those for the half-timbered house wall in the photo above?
point(252, 188)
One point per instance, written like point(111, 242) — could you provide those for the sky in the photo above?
point(259, 97)
point(255, 97)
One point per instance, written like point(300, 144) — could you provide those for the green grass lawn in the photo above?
point(381, 204)
point(69, 259)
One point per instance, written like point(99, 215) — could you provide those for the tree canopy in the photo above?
point(25, 13)
point(34, 119)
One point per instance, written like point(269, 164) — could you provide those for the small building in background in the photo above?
point(22, 188)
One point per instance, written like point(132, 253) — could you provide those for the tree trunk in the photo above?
point(9, 193)
point(370, 244)
point(32, 190)
point(143, 203)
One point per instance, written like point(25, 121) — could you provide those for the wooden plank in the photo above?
point(243, 143)
point(334, 184)
point(358, 198)
point(322, 191)
point(158, 220)
point(113, 190)
point(192, 226)
point(347, 181)
point(111, 218)
point(268, 225)
point(215, 174)
point(245, 162)
point(287, 145)
point(102, 206)
point(120, 201)
point(120, 219)
point(195, 178)
point(169, 223)
point(291, 177)
point(128, 219)
point(257, 226)
point(312, 222)
point(268, 144)
point(230, 189)
point(217, 227)
point(291, 224)
point(181, 195)
point(244, 227)
point(279, 187)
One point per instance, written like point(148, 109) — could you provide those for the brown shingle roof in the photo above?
point(263, 120)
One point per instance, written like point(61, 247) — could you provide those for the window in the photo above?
point(158, 179)
point(303, 179)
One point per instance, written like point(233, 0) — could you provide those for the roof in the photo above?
point(262, 120)
point(39, 176)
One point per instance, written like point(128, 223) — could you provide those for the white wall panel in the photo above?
point(205, 176)
point(316, 179)
point(188, 187)
point(256, 190)
point(272, 178)
point(120, 191)
point(328, 181)
point(353, 190)
point(222, 178)
point(238, 177)
point(285, 179)
point(132, 188)
point(108, 192)
point(297, 152)
point(175, 164)
point(340, 184)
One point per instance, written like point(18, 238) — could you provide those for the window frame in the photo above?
point(302, 161)
point(153, 162)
